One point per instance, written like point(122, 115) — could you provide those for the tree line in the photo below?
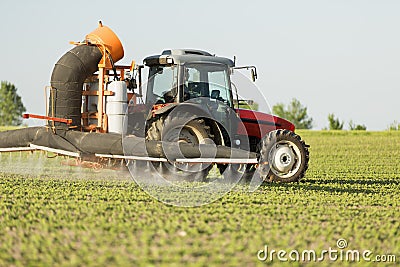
point(297, 114)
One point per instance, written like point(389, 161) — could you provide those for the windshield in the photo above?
point(162, 84)
point(207, 80)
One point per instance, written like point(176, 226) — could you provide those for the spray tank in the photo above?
point(116, 106)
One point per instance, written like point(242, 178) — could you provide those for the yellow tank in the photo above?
point(103, 35)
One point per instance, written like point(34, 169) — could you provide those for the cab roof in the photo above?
point(182, 56)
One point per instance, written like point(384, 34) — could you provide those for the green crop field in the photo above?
point(57, 215)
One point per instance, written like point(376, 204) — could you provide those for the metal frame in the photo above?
point(33, 147)
point(57, 151)
point(218, 160)
point(16, 149)
point(131, 157)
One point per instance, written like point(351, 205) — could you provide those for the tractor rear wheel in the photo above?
point(181, 129)
point(284, 157)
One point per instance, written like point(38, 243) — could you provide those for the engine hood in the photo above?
point(258, 124)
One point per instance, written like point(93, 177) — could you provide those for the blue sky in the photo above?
point(338, 56)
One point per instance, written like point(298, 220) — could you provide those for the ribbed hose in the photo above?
point(67, 80)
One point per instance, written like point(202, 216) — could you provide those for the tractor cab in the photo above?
point(177, 76)
point(191, 83)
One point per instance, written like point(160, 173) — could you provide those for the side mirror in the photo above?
point(253, 70)
point(253, 74)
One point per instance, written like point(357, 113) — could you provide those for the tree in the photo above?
point(334, 123)
point(358, 127)
point(395, 126)
point(294, 112)
point(11, 106)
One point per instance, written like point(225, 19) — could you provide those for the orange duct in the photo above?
point(104, 37)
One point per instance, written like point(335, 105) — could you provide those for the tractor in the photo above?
point(188, 119)
point(190, 99)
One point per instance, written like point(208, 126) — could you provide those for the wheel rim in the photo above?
point(285, 158)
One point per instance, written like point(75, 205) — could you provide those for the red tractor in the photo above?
point(189, 99)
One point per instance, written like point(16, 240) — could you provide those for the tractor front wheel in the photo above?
point(283, 157)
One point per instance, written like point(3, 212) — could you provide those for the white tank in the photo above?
point(120, 91)
point(117, 124)
point(116, 106)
